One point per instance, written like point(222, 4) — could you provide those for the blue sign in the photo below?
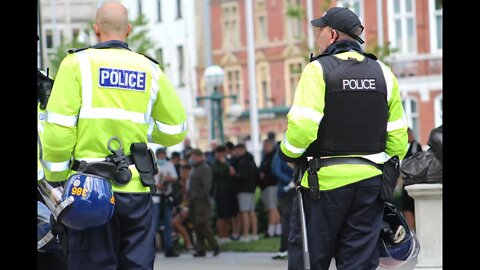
point(122, 78)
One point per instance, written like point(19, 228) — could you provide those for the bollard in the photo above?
point(428, 223)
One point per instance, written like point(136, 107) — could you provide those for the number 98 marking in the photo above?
point(79, 191)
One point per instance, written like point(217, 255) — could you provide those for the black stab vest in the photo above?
point(356, 110)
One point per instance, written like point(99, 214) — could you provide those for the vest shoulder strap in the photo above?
point(151, 59)
point(75, 50)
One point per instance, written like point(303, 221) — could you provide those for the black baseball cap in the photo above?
point(341, 19)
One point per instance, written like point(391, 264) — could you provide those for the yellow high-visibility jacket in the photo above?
point(307, 112)
point(107, 91)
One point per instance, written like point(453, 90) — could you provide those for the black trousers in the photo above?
point(285, 204)
point(343, 223)
point(51, 260)
point(125, 242)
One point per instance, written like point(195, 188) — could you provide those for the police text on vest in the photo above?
point(358, 84)
point(121, 78)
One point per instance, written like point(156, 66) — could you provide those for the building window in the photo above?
point(438, 110)
point(401, 26)
point(179, 9)
point(181, 67)
point(140, 8)
point(261, 23)
point(293, 72)
point(294, 11)
point(410, 106)
point(49, 40)
point(436, 24)
point(230, 25)
point(159, 56)
point(263, 86)
point(262, 29)
point(159, 10)
point(233, 85)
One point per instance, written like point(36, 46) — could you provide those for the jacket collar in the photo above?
point(343, 46)
point(111, 44)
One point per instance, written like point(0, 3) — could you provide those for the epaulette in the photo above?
point(151, 59)
point(77, 50)
point(370, 55)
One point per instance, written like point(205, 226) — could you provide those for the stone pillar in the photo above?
point(428, 222)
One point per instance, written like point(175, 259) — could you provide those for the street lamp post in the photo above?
point(214, 78)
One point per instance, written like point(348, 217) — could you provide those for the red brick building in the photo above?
point(411, 29)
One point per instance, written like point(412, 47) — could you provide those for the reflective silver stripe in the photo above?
point(40, 174)
point(90, 159)
point(304, 112)
point(60, 119)
point(153, 90)
point(87, 84)
point(69, 200)
point(40, 127)
point(172, 130)
point(150, 130)
point(317, 65)
point(378, 157)
point(292, 148)
point(113, 113)
point(397, 124)
point(56, 166)
point(45, 239)
point(387, 73)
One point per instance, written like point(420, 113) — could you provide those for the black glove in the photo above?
point(56, 227)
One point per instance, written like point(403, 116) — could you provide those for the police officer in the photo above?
point(347, 106)
point(50, 255)
point(103, 91)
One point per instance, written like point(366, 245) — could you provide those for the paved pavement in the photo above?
point(232, 261)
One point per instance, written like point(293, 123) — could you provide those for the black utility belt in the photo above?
point(314, 164)
point(116, 166)
point(79, 165)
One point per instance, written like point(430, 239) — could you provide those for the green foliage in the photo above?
point(62, 51)
point(381, 52)
point(295, 11)
point(138, 40)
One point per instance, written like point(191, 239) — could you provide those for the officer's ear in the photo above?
point(334, 34)
point(96, 30)
point(129, 29)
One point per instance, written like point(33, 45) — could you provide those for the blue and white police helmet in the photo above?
point(398, 243)
point(92, 201)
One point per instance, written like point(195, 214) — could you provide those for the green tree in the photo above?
point(381, 52)
point(139, 41)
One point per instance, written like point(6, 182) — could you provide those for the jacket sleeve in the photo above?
point(305, 114)
point(282, 176)
point(168, 115)
point(397, 136)
point(60, 128)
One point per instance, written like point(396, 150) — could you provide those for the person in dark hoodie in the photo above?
point(246, 175)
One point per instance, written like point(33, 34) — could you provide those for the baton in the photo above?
point(306, 254)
